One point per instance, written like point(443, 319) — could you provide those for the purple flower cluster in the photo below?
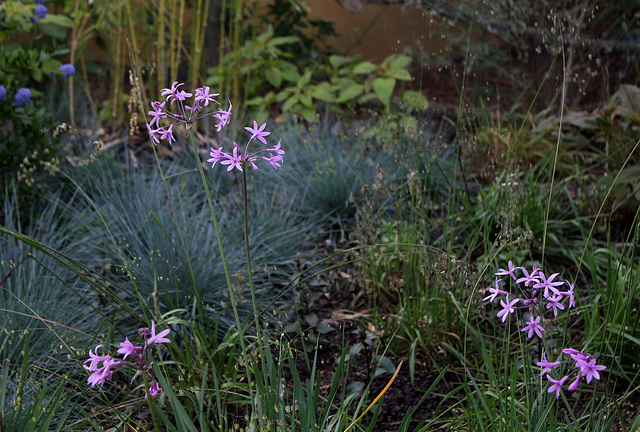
point(237, 158)
point(102, 366)
point(585, 367)
point(185, 114)
point(538, 292)
point(240, 158)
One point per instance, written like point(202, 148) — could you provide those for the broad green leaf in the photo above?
point(59, 20)
point(291, 74)
point(283, 40)
point(415, 100)
point(400, 61)
point(337, 60)
point(364, 68)
point(309, 114)
point(383, 86)
point(289, 103)
point(324, 92)
point(311, 319)
point(398, 73)
point(350, 92)
point(274, 76)
point(306, 99)
point(305, 79)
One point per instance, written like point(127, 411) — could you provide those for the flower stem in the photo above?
point(219, 238)
point(248, 253)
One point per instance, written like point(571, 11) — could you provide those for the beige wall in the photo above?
point(382, 29)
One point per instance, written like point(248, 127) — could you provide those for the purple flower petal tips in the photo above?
point(158, 338)
point(557, 385)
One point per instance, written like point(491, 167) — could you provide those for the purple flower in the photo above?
point(94, 360)
point(23, 96)
point(554, 302)
point(570, 294)
point(174, 93)
point(157, 112)
point(167, 133)
point(127, 348)
point(574, 384)
point(591, 370)
point(548, 284)
point(3, 92)
point(202, 95)
point(234, 161)
point(258, 133)
point(158, 338)
point(495, 292)
point(40, 11)
point(67, 69)
point(154, 389)
point(152, 134)
point(507, 308)
point(533, 326)
point(222, 117)
point(557, 385)
point(528, 279)
point(216, 156)
point(547, 365)
point(509, 272)
point(39, 1)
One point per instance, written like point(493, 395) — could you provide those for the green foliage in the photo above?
point(273, 75)
point(29, 143)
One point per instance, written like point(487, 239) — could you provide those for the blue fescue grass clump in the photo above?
point(164, 246)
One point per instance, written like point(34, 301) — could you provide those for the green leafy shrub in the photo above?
point(28, 140)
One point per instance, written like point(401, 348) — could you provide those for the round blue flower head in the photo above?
point(39, 1)
point(67, 69)
point(22, 97)
point(3, 92)
point(41, 11)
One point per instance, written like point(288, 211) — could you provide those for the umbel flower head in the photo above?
point(539, 293)
point(182, 113)
point(102, 367)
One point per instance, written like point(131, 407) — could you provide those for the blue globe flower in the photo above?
point(3, 92)
point(41, 11)
point(67, 69)
point(22, 97)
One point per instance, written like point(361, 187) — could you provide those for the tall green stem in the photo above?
point(246, 248)
point(215, 226)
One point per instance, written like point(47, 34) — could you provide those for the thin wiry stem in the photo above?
point(248, 253)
